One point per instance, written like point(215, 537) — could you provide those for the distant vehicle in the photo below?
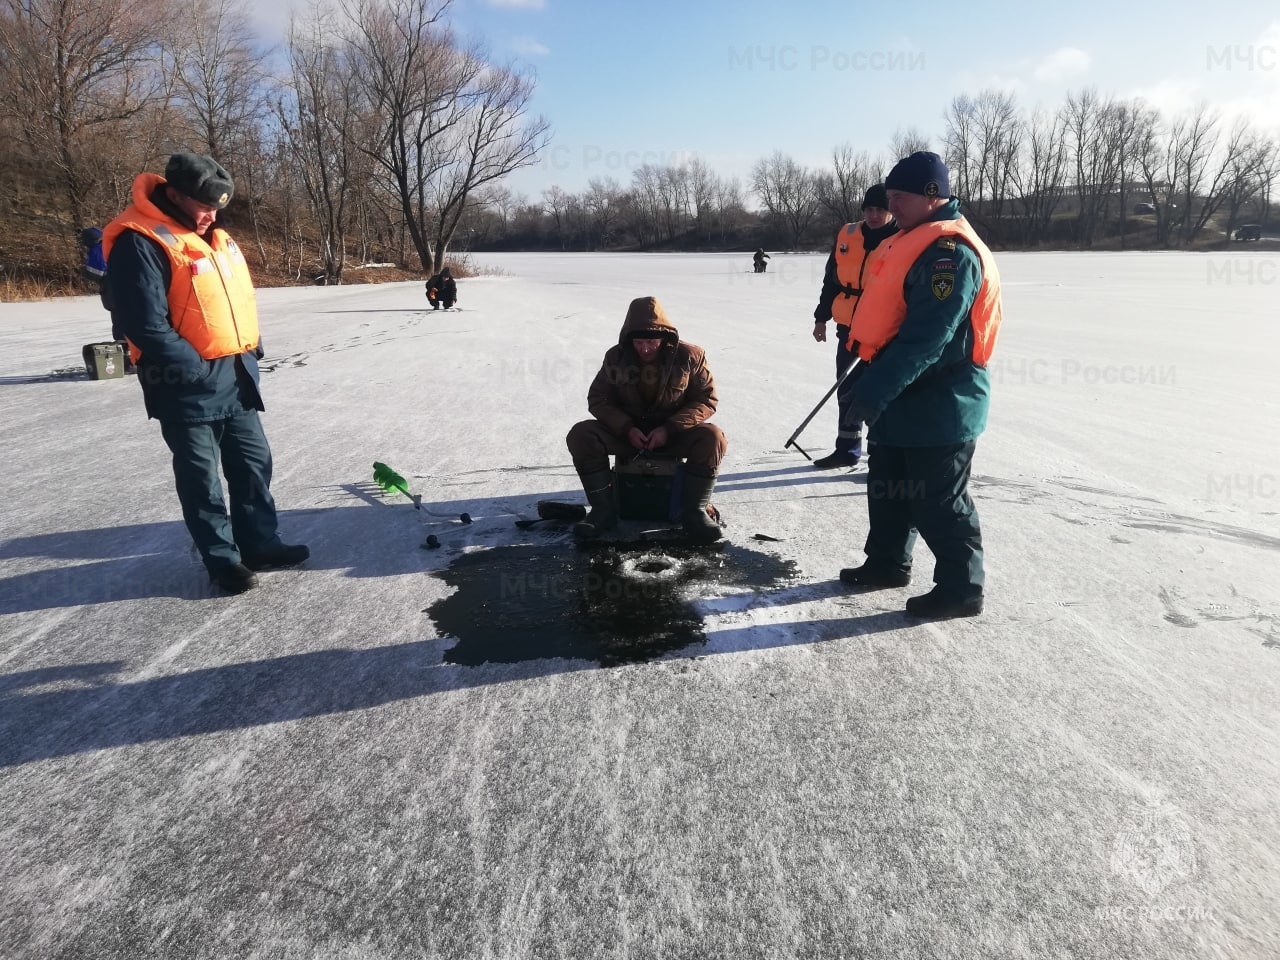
point(1144, 208)
point(1249, 231)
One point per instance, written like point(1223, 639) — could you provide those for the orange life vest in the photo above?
point(883, 306)
point(852, 259)
point(211, 301)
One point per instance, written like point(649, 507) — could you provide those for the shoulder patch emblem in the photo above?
point(944, 265)
point(943, 284)
point(165, 234)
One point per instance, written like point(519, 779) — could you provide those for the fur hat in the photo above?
point(923, 173)
point(201, 178)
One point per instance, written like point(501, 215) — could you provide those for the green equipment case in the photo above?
point(103, 361)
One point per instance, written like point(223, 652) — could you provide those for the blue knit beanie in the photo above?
point(922, 173)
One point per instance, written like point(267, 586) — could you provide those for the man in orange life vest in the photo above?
point(182, 293)
point(842, 280)
point(927, 321)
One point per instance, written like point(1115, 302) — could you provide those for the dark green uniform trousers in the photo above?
point(925, 489)
point(239, 444)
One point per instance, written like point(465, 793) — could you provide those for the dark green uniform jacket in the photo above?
point(923, 389)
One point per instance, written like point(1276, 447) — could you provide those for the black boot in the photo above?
point(848, 453)
point(838, 458)
point(935, 605)
point(697, 522)
point(280, 555)
point(604, 509)
point(872, 577)
point(236, 578)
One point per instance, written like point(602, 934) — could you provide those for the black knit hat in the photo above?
point(201, 178)
point(922, 173)
point(876, 197)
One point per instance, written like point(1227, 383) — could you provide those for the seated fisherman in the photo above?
point(653, 392)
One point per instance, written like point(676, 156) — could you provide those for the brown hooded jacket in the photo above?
point(685, 393)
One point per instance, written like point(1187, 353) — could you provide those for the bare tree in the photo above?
point(219, 75)
point(907, 142)
point(840, 190)
point(604, 209)
point(321, 123)
point(1268, 174)
point(982, 142)
point(998, 141)
point(555, 202)
point(1128, 125)
point(673, 201)
point(412, 76)
point(1040, 178)
point(1195, 145)
point(731, 211)
point(1247, 163)
point(72, 67)
point(1177, 174)
point(958, 142)
point(1234, 174)
point(1152, 156)
point(494, 138)
point(788, 191)
point(703, 184)
point(1086, 117)
point(646, 202)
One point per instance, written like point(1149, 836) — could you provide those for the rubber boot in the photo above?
point(604, 510)
point(697, 522)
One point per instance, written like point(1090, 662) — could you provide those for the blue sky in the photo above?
point(658, 81)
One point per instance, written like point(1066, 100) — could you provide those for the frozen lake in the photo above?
point(1090, 769)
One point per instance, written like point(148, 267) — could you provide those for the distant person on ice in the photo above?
point(184, 299)
point(653, 392)
point(847, 270)
point(442, 289)
point(758, 260)
point(929, 318)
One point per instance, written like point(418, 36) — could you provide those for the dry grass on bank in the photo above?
point(35, 283)
point(40, 260)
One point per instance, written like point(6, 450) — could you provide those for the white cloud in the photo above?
point(1061, 64)
point(529, 47)
point(1238, 82)
point(1171, 96)
point(1262, 113)
point(1024, 76)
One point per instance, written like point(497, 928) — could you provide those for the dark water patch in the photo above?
point(613, 603)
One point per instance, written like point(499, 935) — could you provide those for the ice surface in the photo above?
point(1089, 769)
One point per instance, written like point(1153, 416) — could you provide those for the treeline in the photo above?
point(1096, 171)
point(366, 138)
point(376, 134)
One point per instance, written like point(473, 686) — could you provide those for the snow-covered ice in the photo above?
point(1090, 769)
